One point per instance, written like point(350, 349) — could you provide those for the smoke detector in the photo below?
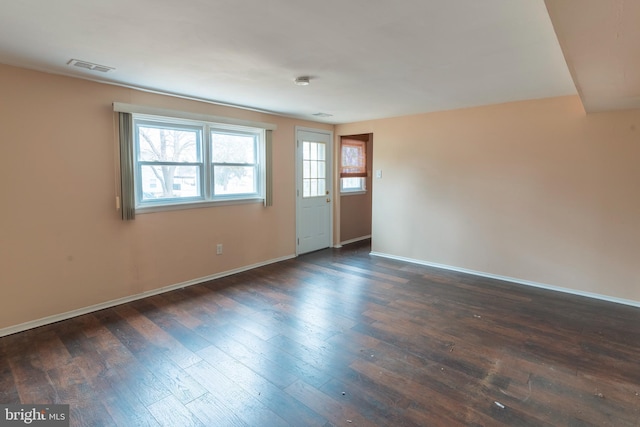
point(302, 81)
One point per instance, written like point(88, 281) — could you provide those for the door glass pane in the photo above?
point(306, 169)
point(313, 151)
point(313, 169)
point(321, 187)
point(305, 149)
point(306, 188)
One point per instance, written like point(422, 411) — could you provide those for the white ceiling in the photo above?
point(367, 58)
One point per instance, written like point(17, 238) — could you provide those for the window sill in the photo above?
point(195, 205)
point(352, 193)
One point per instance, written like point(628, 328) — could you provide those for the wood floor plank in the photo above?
point(251, 357)
point(171, 324)
point(211, 411)
point(287, 362)
point(262, 389)
point(169, 412)
point(124, 408)
point(337, 412)
point(158, 337)
point(234, 397)
point(8, 389)
point(178, 382)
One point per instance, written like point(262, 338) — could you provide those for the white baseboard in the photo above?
point(357, 239)
point(78, 312)
point(512, 280)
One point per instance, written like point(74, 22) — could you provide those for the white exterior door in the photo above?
point(314, 188)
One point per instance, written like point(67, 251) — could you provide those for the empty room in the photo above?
point(338, 213)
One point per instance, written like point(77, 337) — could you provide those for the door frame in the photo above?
point(298, 189)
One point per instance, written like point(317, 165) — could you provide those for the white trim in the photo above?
point(357, 239)
point(153, 111)
point(108, 304)
point(512, 280)
point(195, 205)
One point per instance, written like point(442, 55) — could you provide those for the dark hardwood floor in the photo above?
point(337, 338)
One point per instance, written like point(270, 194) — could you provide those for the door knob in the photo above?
point(328, 200)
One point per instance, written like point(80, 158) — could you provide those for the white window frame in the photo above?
point(258, 164)
point(207, 198)
point(362, 189)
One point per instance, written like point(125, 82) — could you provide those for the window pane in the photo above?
point(305, 150)
point(321, 187)
point(314, 187)
point(313, 151)
point(228, 180)
point(228, 148)
point(167, 144)
point(314, 170)
point(352, 184)
point(306, 192)
point(306, 169)
point(169, 182)
point(321, 169)
point(321, 151)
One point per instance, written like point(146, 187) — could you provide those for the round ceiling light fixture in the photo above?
point(302, 81)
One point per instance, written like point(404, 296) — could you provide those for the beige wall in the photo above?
point(355, 209)
point(535, 190)
point(62, 243)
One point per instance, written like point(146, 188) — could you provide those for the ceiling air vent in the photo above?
point(90, 66)
point(322, 115)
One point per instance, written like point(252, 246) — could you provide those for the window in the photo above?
point(234, 163)
point(353, 165)
point(182, 161)
point(167, 156)
point(172, 159)
point(350, 185)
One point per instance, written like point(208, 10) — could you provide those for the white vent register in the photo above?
point(89, 66)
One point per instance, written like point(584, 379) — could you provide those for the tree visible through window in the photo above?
point(170, 157)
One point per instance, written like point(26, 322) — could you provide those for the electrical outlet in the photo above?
point(219, 249)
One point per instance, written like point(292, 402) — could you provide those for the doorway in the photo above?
point(355, 207)
point(314, 187)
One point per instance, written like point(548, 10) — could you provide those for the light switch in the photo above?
point(378, 173)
